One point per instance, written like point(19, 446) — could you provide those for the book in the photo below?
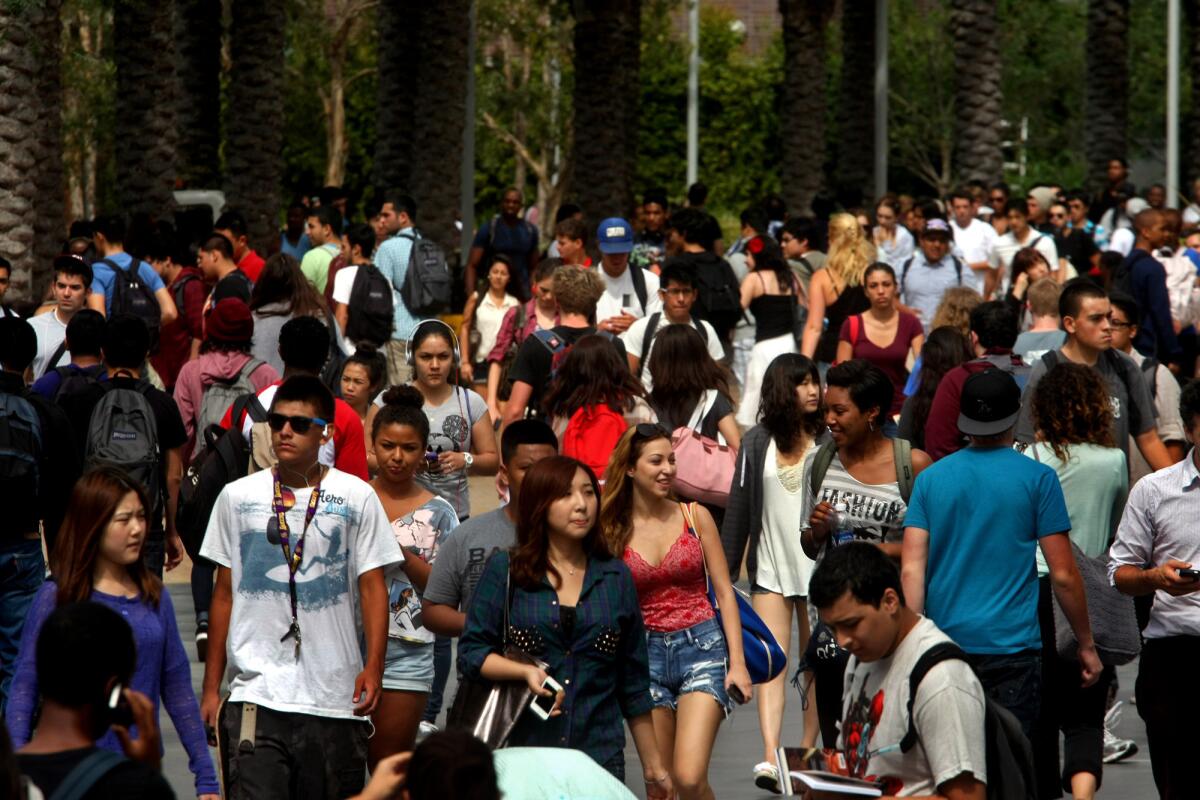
point(820, 770)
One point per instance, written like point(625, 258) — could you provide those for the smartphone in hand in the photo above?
point(543, 705)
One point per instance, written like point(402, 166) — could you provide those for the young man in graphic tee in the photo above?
point(462, 556)
point(576, 292)
point(856, 591)
point(301, 550)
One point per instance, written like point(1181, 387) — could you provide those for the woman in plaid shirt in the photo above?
point(575, 607)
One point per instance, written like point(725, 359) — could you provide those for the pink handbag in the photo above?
point(704, 468)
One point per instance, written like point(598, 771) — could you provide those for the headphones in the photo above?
point(410, 356)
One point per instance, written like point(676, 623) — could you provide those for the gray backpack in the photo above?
point(219, 396)
point(124, 433)
point(426, 286)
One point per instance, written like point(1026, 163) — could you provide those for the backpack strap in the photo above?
point(249, 367)
point(904, 272)
point(855, 321)
point(1150, 373)
point(1050, 359)
point(647, 337)
point(550, 340)
point(86, 774)
point(637, 275)
point(698, 324)
point(55, 356)
point(902, 454)
point(943, 651)
point(958, 268)
point(820, 466)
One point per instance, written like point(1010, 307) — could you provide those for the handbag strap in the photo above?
point(508, 593)
point(707, 400)
point(689, 520)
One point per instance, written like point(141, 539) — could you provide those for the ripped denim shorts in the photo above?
point(690, 660)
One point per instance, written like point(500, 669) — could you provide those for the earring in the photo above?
point(871, 425)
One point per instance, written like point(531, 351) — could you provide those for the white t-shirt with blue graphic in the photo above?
point(349, 535)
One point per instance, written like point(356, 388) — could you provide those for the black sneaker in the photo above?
point(202, 640)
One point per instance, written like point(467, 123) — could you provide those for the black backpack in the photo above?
point(1010, 773)
point(426, 286)
point(21, 443)
point(648, 337)
point(370, 312)
point(130, 295)
point(75, 381)
point(331, 373)
point(225, 458)
point(719, 301)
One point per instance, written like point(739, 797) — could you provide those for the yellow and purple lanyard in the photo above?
point(293, 557)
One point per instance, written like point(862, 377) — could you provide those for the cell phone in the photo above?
point(1194, 574)
point(119, 711)
point(736, 694)
point(542, 706)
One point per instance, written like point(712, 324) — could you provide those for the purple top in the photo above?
point(162, 671)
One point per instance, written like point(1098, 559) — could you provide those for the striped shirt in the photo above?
point(1159, 523)
point(877, 510)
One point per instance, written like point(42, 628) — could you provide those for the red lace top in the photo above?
point(673, 595)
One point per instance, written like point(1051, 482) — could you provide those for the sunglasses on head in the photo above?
point(650, 430)
point(300, 425)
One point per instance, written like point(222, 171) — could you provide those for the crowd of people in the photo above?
point(918, 432)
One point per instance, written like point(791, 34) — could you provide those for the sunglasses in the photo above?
point(650, 430)
point(300, 425)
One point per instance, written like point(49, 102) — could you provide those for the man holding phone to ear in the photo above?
point(1157, 551)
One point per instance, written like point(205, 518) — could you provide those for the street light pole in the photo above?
point(1172, 103)
point(693, 95)
point(881, 98)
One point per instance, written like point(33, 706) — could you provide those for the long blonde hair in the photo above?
point(850, 252)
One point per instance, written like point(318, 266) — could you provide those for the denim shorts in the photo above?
point(408, 667)
point(691, 660)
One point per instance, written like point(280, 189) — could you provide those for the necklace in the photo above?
point(304, 474)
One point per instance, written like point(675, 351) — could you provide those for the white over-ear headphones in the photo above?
point(410, 355)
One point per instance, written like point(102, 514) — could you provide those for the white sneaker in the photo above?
point(424, 729)
point(766, 776)
point(1116, 748)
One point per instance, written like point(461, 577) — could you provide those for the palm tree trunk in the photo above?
point(145, 132)
point(856, 107)
point(49, 228)
point(394, 126)
point(803, 114)
point(198, 112)
point(254, 129)
point(30, 138)
point(440, 102)
point(977, 98)
point(1106, 100)
point(607, 41)
point(1192, 140)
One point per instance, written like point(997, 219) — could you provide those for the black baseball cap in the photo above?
point(990, 403)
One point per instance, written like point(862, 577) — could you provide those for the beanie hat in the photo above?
point(229, 321)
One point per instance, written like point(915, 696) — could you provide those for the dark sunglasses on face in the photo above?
point(300, 425)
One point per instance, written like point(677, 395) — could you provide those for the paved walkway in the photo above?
point(738, 745)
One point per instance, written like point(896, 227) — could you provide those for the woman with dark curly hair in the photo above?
point(944, 350)
point(1073, 417)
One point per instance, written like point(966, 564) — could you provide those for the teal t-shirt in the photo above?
point(1095, 483)
point(985, 509)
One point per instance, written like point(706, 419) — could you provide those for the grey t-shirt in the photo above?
point(450, 431)
point(462, 556)
point(1132, 405)
point(1031, 345)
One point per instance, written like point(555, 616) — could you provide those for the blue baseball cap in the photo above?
point(615, 235)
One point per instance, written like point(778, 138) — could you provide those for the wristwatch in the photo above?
point(469, 461)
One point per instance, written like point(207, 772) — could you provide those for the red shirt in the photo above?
point(672, 595)
point(942, 436)
point(175, 339)
point(251, 264)
point(349, 440)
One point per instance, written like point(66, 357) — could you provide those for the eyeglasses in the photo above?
point(649, 430)
point(300, 425)
point(679, 291)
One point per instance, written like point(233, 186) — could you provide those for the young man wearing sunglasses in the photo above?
point(300, 552)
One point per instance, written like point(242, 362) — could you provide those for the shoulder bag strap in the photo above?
point(647, 337)
point(55, 356)
point(689, 519)
point(902, 454)
point(86, 774)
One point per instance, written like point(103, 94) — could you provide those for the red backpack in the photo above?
point(591, 435)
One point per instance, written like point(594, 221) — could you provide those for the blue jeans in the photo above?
point(441, 673)
point(1014, 680)
point(688, 660)
point(22, 570)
